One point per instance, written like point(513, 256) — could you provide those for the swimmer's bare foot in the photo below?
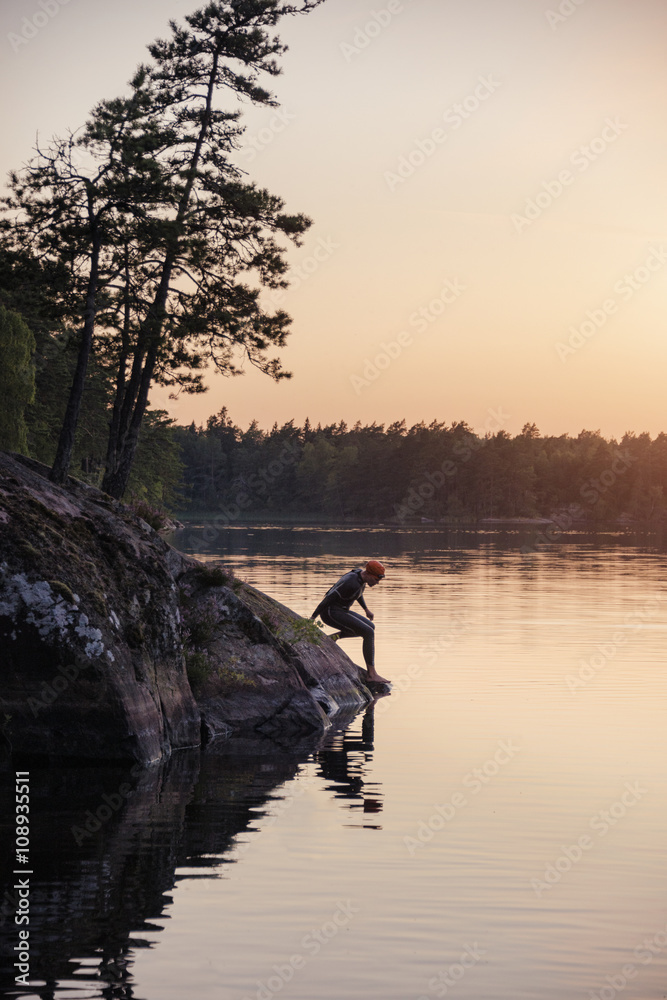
point(375, 678)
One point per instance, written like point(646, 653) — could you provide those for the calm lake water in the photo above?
point(494, 828)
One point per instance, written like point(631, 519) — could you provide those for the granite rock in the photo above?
point(117, 646)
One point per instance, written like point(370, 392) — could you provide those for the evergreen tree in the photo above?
point(194, 307)
point(17, 380)
point(157, 226)
point(157, 475)
point(433, 471)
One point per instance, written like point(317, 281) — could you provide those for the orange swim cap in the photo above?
point(375, 568)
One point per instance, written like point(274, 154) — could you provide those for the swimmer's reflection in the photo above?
point(345, 764)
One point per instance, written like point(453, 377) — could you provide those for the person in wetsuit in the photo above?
point(334, 610)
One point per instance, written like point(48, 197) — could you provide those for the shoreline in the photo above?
point(120, 647)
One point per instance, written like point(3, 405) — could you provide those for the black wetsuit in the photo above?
point(334, 610)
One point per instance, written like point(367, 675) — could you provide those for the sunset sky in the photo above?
point(486, 180)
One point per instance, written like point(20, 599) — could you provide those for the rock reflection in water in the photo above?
point(104, 843)
point(107, 845)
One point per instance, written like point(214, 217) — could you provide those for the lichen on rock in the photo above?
point(73, 683)
point(100, 617)
point(263, 671)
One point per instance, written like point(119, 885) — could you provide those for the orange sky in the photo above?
point(486, 181)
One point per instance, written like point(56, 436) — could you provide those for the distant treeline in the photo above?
point(432, 471)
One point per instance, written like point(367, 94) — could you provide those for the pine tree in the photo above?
point(220, 227)
point(17, 380)
point(157, 226)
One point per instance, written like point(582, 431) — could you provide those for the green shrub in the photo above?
point(17, 380)
point(156, 517)
point(228, 680)
point(62, 590)
point(198, 667)
point(301, 630)
point(215, 576)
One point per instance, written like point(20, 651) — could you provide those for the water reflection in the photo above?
point(345, 765)
point(103, 844)
point(421, 542)
point(108, 846)
point(481, 647)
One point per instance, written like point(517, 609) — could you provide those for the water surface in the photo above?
point(495, 828)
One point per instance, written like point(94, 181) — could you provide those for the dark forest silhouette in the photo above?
point(435, 471)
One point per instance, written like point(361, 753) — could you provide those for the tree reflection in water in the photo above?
point(107, 845)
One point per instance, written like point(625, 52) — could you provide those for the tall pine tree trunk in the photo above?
point(63, 457)
point(116, 478)
point(128, 427)
point(125, 389)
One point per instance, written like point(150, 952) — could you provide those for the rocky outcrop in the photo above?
point(92, 661)
point(257, 665)
point(116, 646)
